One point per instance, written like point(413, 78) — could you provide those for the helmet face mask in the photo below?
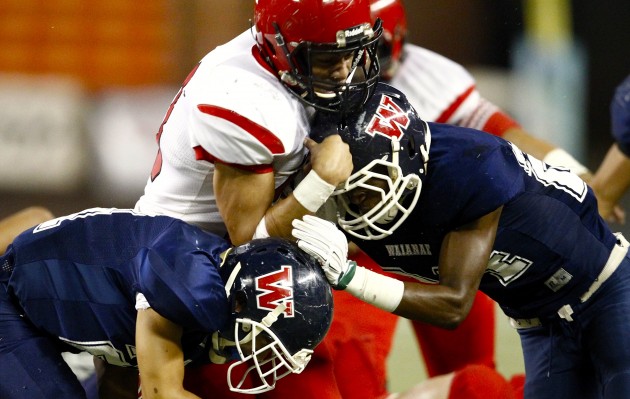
point(262, 352)
point(281, 308)
point(397, 197)
point(291, 36)
point(390, 145)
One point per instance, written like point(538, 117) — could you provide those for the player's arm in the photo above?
point(546, 151)
point(611, 180)
point(12, 225)
point(160, 357)
point(463, 260)
point(245, 198)
point(499, 123)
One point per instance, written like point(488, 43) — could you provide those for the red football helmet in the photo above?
point(291, 33)
point(394, 20)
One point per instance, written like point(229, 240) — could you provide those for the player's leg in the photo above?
point(473, 342)
point(362, 335)
point(31, 365)
point(362, 351)
point(315, 382)
point(606, 333)
point(555, 365)
point(471, 382)
point(210, 381)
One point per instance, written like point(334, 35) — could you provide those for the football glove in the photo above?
point(324, 241)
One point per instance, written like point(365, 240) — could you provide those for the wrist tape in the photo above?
point(378, 290)
point(261, 230)
point(313, 191)
point(559, 157)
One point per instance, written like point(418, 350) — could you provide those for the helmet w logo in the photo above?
point(389, 119)
point(276, 288)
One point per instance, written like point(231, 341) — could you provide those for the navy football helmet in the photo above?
point(281, 309)
point(290, 34)
point(390, 145)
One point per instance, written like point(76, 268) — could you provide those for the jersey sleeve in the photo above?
point(497, 180)
point(181, 281)
point(620, 116)
point(478, 172)
point(243, 122)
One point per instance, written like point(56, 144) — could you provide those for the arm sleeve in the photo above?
point(188, 292)
point(497, 180)
point(244, 122)
point(490, 118)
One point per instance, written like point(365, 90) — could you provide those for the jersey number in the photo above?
point(505, 267)
point(157, 165)
point(558, 177)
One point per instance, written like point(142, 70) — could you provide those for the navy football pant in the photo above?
point(31, 366)
point(588, 357)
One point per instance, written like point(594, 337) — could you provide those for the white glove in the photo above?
point(324, 241)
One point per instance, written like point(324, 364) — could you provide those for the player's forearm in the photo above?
point(528, 143)
point(160, 357)
point(545, 151)
point(434, 304)
point(309, 195)
point(463, 260)
point(612, 178)
point(277, 221)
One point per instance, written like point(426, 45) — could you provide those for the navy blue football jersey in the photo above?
point(76, 278)
point(550, 244)
point(620, 115)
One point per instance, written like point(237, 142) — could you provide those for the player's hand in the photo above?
point(324, 241)
point(331, 159)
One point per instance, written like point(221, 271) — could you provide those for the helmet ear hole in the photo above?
point(270, 47)
point(411, 146)
point(239, 303)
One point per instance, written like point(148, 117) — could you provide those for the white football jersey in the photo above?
point(233, 110)
point(440, 89)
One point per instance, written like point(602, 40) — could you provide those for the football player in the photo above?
point(237, 130)
point(441, 91)
point(153, 294)
point(460, 210)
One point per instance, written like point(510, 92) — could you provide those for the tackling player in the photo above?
point(152, 293)
point(441, 91)
point(237, 131)
point(612, 178)
point(460, 210)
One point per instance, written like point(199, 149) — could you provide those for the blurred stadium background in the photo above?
point(84, 85)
